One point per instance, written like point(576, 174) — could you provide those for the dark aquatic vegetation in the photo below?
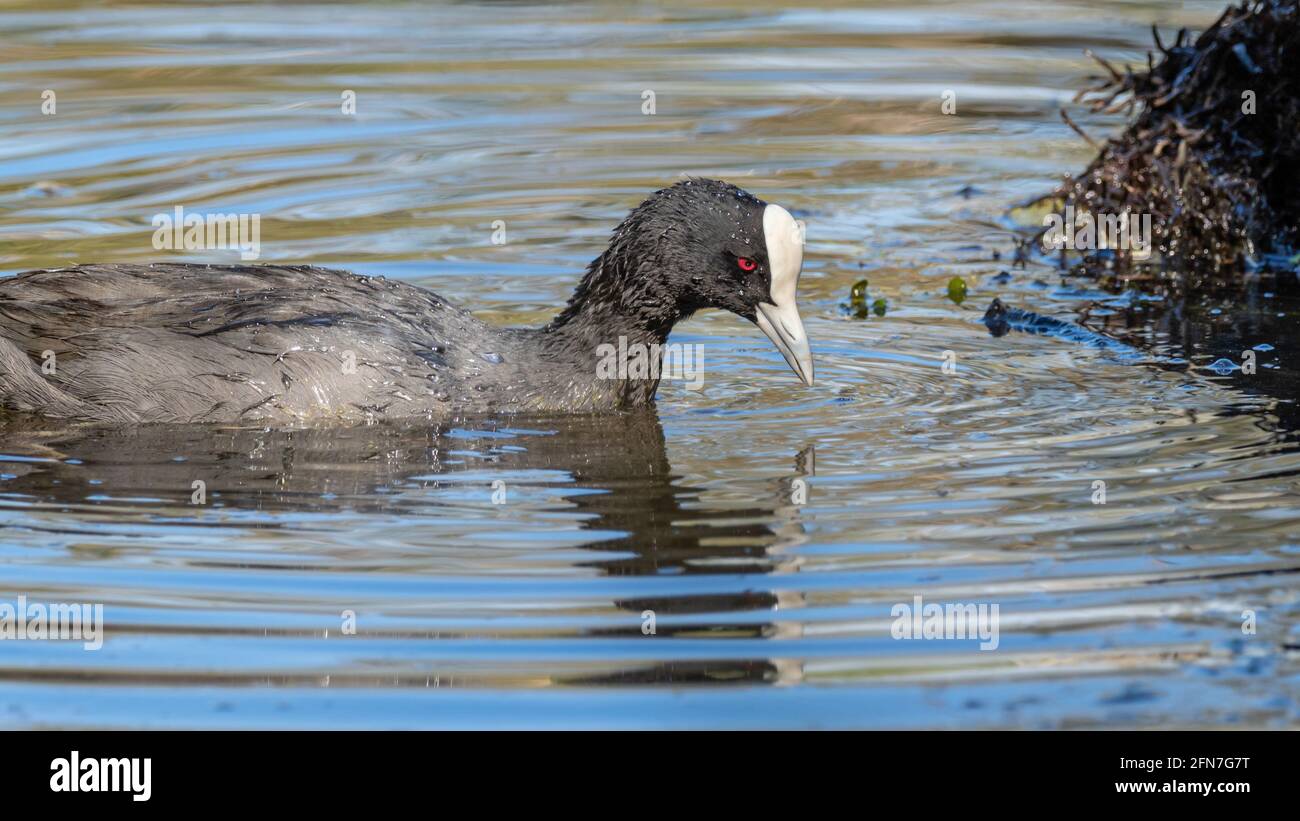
point(293, 344)
point(1213, 151)
point(1001, 319)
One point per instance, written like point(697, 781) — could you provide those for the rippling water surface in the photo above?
point(770, 528)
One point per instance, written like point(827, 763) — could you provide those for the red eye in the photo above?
point(746, 264)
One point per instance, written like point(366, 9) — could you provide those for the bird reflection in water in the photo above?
point(651, 524)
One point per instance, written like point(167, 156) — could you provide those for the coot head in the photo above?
point(703, 244)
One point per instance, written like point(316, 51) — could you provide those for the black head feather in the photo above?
point(677, 252)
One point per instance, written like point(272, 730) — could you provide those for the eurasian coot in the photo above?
point(275, 344)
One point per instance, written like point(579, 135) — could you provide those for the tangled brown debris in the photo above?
point(1213, 154)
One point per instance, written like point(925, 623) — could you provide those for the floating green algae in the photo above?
point(957, 290)
point(858, 300)
point(860, 305)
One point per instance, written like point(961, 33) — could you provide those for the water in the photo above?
point(975, 486)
